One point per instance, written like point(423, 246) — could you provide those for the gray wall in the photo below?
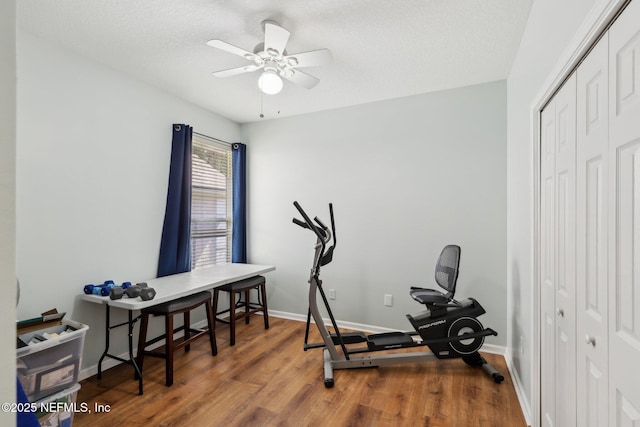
point(406, 176)
point(7, 204)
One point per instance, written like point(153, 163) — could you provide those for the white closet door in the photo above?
point(565, 289)
point(547, 265)
point(591, 237)
point(624, 231)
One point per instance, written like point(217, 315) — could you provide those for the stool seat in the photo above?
point(169, 309)
point(178, 305)
point(241, 287)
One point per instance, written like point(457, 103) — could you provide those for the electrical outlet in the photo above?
point(388, 300)
point(332, 294)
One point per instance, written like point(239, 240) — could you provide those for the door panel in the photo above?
point(624, 204)
point(558, 369)
point(547, 244)
point(591, 237)
point(592, 411)
point(626, 413)
point(565, 244)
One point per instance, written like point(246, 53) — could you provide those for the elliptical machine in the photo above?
point(448, 327)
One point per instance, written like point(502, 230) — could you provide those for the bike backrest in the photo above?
point(447, 268)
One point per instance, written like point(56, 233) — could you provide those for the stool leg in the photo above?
point(247, 297)
point(263, 291)
point(211, 320)
point(215, 309)
point(169, 350)
point(142, 339)
point(187, 329)
point(232, 318)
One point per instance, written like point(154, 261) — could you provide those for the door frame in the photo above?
point(599, 19)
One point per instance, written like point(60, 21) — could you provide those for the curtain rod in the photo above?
point(213, 139)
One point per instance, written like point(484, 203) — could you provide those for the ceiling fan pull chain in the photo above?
point(261, 104)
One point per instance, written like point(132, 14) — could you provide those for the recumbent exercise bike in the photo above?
point(448, 327)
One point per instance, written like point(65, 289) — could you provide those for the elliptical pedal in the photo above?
point(390, 340)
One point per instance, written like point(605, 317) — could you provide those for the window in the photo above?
point(211, 203)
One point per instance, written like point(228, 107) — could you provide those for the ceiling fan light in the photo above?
point(269, 82)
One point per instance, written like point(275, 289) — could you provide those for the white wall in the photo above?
point(406, 176)
point(92, 172)
point(7, 205)
point(551, 27)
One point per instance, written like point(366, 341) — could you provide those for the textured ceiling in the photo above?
point(381, 48)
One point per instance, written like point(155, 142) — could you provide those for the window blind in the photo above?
point(211, 200)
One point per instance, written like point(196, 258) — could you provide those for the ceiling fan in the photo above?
point(272, 58)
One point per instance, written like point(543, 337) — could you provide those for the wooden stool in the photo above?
point(239, 287)
point(169, 309)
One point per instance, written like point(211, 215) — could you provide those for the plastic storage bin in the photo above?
point(59, 408)
point(52, 365)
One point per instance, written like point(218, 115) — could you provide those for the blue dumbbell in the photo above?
point(123, 286)
point(95, 289)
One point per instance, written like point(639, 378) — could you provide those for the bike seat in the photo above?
point(446, 276)
point(429, 296)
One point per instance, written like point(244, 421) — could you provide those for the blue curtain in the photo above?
point(239, 237)
point(175, 246)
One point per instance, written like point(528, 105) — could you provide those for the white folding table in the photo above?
point(169, 288)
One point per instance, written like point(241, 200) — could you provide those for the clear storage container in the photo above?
point(58, 409)
point(52, 365)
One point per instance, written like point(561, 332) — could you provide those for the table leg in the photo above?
point(131, 356)
point(106, 345)
point(132, 359)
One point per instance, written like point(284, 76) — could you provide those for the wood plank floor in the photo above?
point(266, 379)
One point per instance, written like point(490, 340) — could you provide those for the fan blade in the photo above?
point(313, 58)
point(275, 37)
point(227, 47)
point(235, 71)
point(302, 79)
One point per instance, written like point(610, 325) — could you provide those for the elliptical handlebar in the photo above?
point(333, 225)
point(320, 223)
point(320, 230)
point(307, 223)
point(300, 223)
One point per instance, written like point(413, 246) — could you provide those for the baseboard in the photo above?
point(517, 384)
point(341, 324)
